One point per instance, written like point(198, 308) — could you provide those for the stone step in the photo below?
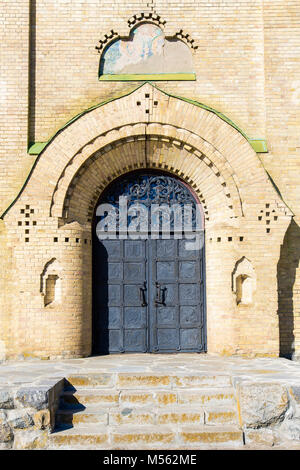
point(208, 396)
point(215, 416)
point(177, 415)
point(144, 416)
point(123, 437)
point(143, 410)
point(97, 437)
point(134, 398)
point(137, 398)
point(91, 380)
point(212, 435)
point(81, 398)
point(190, 381)
point(179, 447)
point(130, 380)
point(73, 416)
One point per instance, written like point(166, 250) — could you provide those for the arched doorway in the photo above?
point(149, 279)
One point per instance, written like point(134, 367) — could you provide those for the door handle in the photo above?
point(143, 295)
point(160, 294)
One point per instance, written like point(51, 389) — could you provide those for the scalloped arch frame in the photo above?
point(138, 56)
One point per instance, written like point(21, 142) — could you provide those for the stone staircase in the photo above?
point(147, 411)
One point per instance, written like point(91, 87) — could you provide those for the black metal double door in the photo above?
point(149, 296)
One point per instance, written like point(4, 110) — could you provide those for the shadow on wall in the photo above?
point(32, 74)
point(100, 298)
point(287, 291)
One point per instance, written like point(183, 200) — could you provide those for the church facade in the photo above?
point(160, 102)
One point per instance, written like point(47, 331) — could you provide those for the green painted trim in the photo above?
point(36, 148)
point(134, 77)
point(259, 145)
point(207, 108)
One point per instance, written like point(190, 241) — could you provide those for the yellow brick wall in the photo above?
point(282, 98)
point(14, 162)
point(247, 67)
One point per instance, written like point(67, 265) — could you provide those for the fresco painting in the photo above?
point(146, 51)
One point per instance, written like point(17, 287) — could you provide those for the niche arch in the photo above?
point(244, 281)
point(50, 283)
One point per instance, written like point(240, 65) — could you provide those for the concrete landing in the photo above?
point(145, 401)
point(259, 369)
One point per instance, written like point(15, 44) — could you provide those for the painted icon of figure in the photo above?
point(147, 51)
point(147, 40)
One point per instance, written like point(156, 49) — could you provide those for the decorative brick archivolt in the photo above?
point(146, 16)
point(141, 18)
point(156, 153)
point(132, 22)
point(177, 157)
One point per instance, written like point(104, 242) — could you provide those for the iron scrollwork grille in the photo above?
point(149, 190)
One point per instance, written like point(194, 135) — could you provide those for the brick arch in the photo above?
point(147, 113)
point(157, 152)
point(186, 141)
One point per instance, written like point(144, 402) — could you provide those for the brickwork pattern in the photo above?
point(246, 63)
point(198, 149)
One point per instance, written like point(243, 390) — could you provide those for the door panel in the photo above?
point(176, 307)
point(121, 320)
point(169, 284)
point(188, 270)
point(167, 340)
point(166, 316)
point(190, 316)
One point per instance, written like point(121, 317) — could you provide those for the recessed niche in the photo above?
point(243, 281)
point(51, 289)
point(243, 289)
point(50, 282)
